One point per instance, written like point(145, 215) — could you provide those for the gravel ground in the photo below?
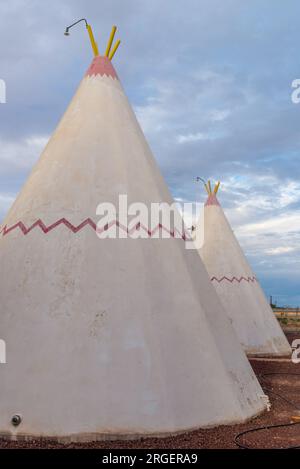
point(223, 436)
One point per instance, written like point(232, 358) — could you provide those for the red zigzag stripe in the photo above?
point(46, 229)
point(231, 280)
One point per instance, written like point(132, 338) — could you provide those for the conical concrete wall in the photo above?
point(108, 337)
point(238, 287)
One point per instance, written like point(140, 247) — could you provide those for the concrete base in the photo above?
point(252, 356)
point(89, 437)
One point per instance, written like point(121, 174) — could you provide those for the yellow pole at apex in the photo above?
point(209, 186)
point(114, 49)
point(110, 41)
point(207, 190)
point(92, 39)
point(217, 187)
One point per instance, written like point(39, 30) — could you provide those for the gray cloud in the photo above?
point(210, 82)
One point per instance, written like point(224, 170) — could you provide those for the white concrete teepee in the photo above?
point(238, 288)
point(108, 337)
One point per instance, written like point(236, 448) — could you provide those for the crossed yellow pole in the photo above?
point(108, 53)
point(208, 187)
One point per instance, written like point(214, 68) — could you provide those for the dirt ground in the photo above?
point(223, 437)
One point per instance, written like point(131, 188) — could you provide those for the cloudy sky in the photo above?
point(210, 81)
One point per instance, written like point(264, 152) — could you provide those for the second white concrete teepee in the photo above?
point(238, 288)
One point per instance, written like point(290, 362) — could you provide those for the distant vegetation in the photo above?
point(289, 321)
point(287, 316)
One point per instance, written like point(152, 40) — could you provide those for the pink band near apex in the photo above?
point(212, 200)
point(101, 66)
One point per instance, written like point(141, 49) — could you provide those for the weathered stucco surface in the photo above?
point(238, 288)
point(109, 337)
